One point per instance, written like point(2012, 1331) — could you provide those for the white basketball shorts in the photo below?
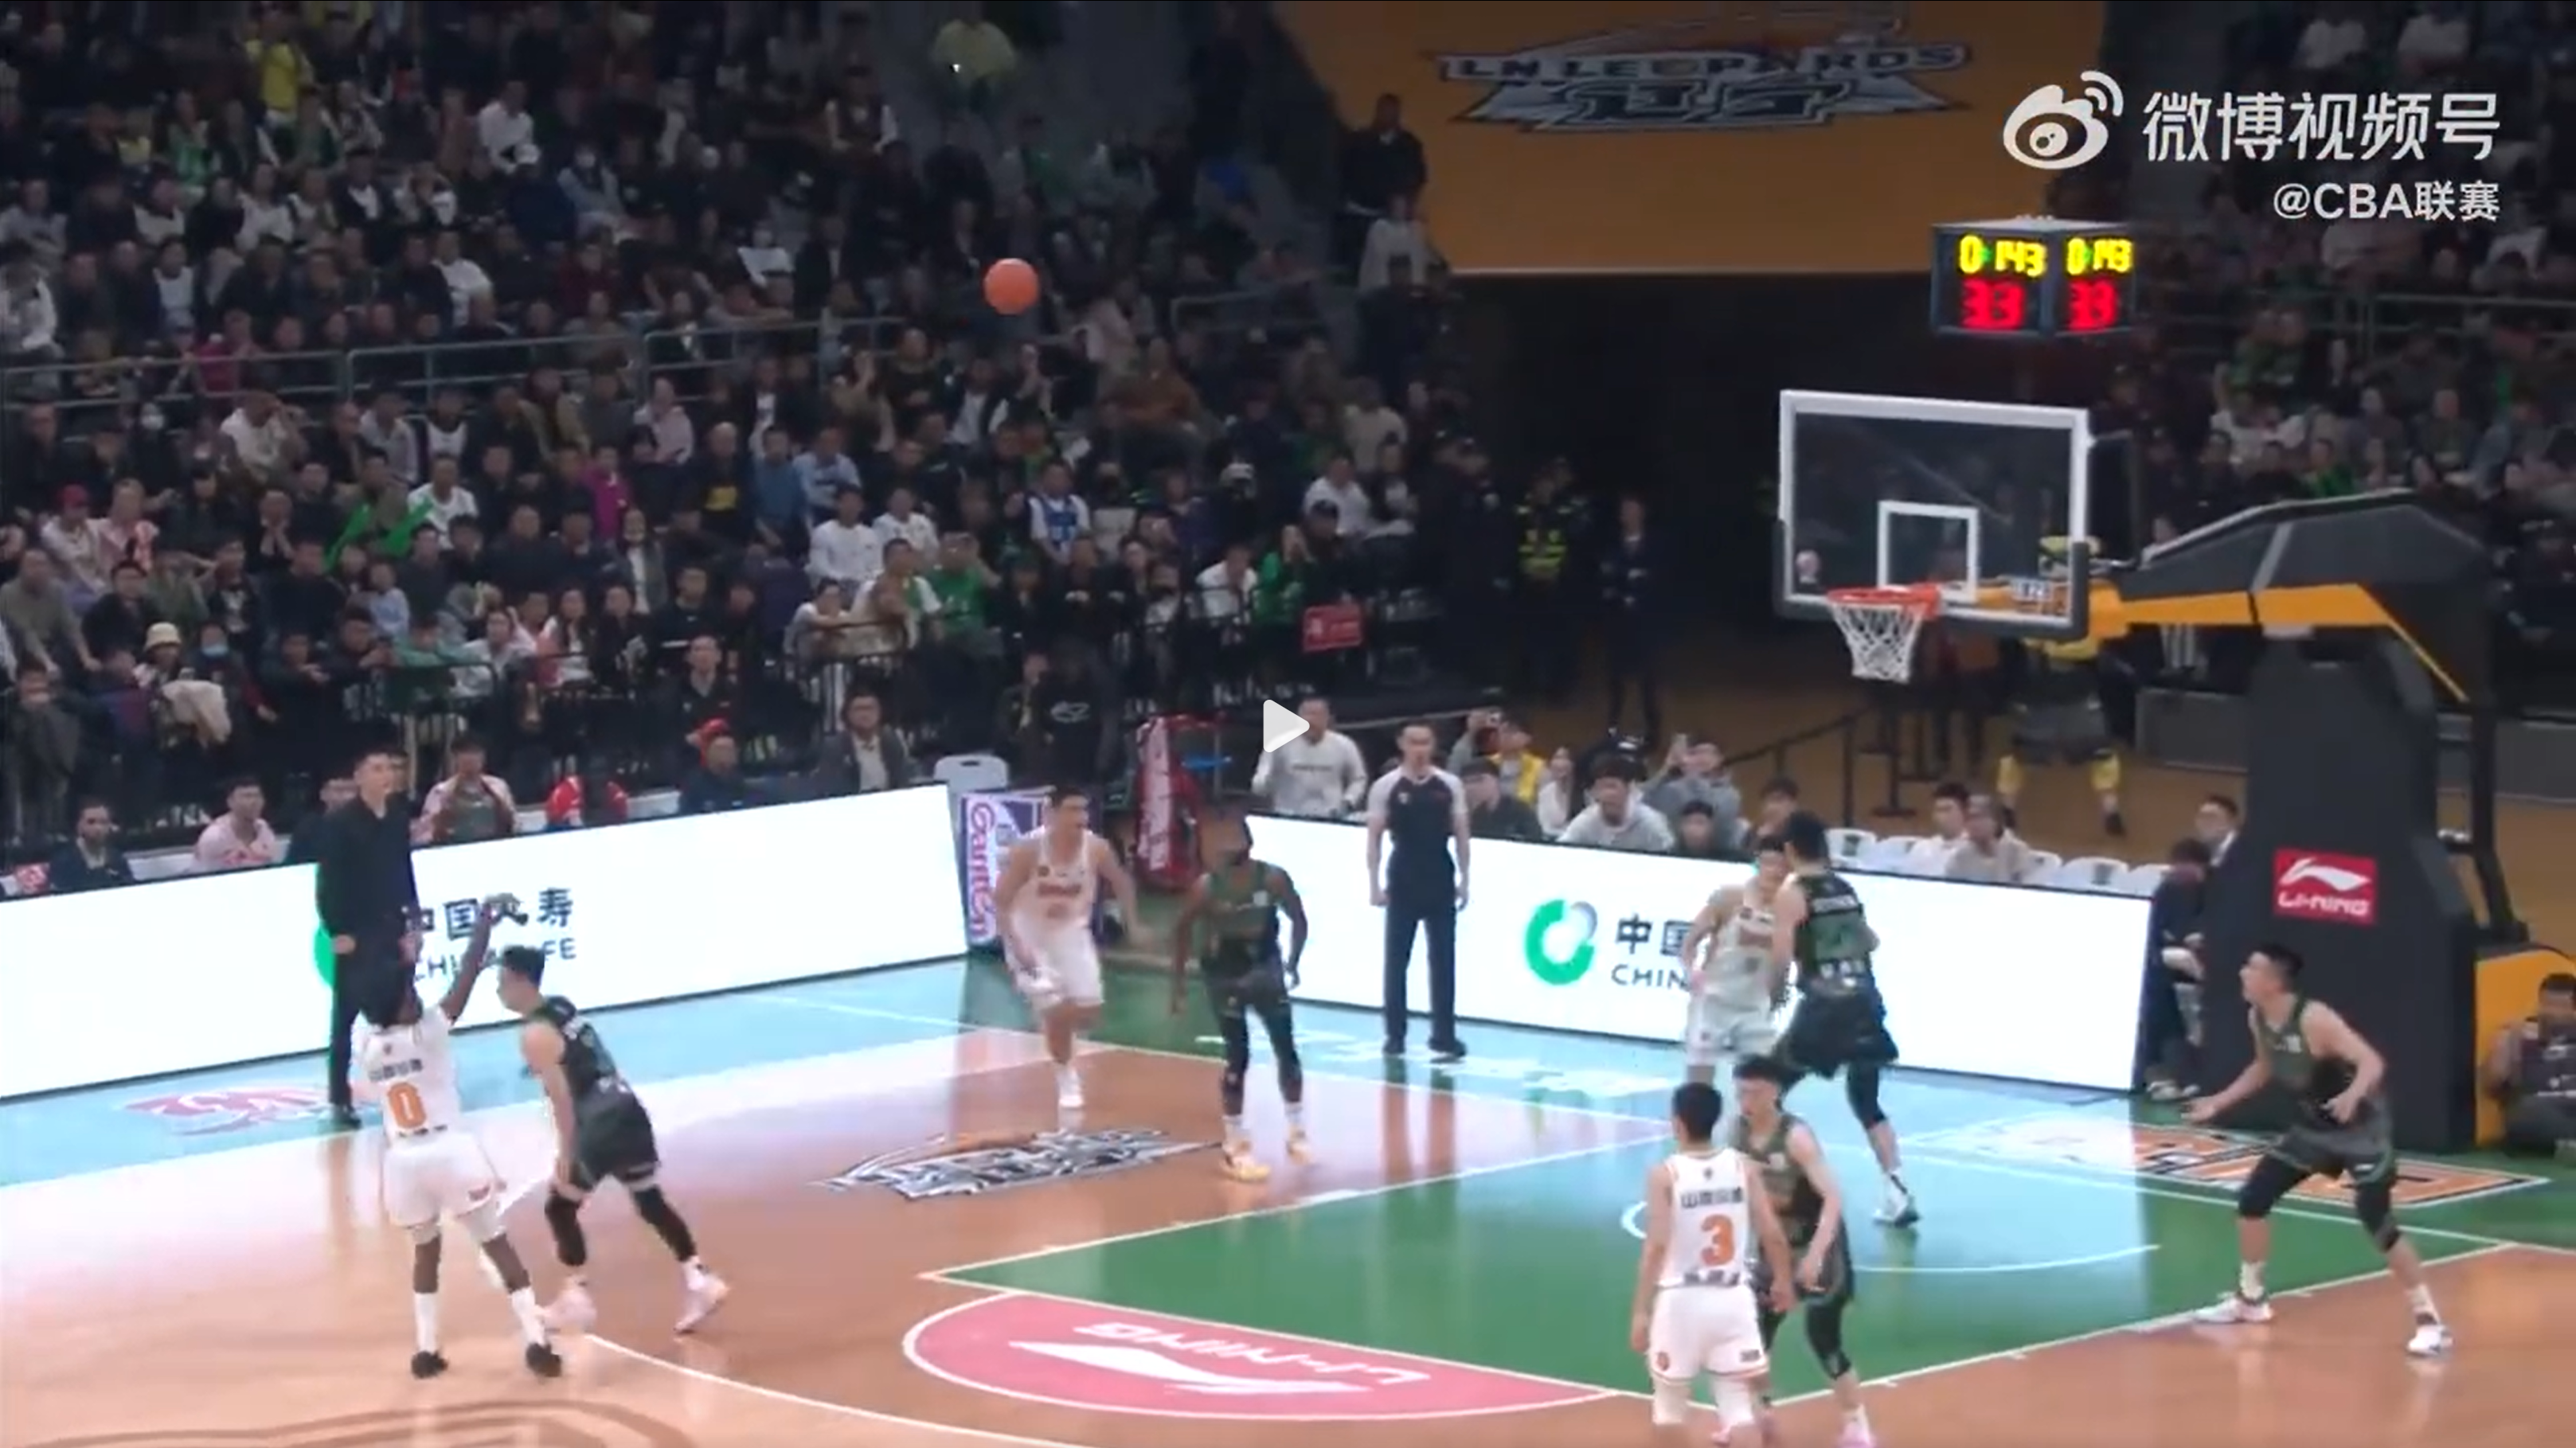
point(446, 1175)
point(1063, 968)
point(1701, 1330)
point(1715, 1032)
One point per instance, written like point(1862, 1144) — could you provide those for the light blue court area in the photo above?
point(1969, 1141)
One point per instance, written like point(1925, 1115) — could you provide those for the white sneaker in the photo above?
point(701, 1302)
point(1898, 1209)
point(571, 1311)
point(2235, 1308)
point(1068, 1092)
point(2431, 1339)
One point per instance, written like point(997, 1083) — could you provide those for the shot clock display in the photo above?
point(2033, 277)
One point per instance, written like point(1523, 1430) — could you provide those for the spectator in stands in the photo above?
point(2531, 1070)
point(469, 805)
point(1779, 800)
point(586, 799)
point(1988, 851)
point(240, 838)
point(304, 846)
point(1493, 814)
point(717, 785)
point(865, 756)
point(1700, 833)
point(1379, 164)
point(1694, 772)
point(1317, 775)
point(1502, 741)
point(1618, 818)
point(92, 860)
point(1395, 236)
point(976, 60)
point(2215, 823)
point(1554, 800)
point(1931, 854)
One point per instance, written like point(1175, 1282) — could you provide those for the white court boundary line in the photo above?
point(2073, 1176)
point(1579, 1394)
point(1632, 1221)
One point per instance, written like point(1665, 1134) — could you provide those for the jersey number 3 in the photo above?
point(404, 1108)
point(1720, 1232)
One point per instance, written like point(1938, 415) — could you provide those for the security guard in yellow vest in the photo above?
point(2057, 718)
point(1547, 529)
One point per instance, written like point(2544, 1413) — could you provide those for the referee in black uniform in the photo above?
point(364, 892)
point(1422, 809)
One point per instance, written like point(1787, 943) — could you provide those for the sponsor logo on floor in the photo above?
point(233, 1108)
point(1106, 1359)
point(2192, 1154)
point(972, 1166)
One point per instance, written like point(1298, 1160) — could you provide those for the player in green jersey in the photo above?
point(1820, 935)
point(1785, 1154)
point(2341, 1129)
point(1231, 918)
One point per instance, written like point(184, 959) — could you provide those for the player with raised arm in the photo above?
point(602, 1133)
point(1791, 1163)
point(1820, 930)
point(1736, 983)
point(2342, 1129)
point(434, 1168)
point(1232, 918)
point(1050, 886)
point(1694, 1312)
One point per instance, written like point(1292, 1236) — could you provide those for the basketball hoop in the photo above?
point(1881, 624)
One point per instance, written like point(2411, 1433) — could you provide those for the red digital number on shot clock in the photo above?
point(2093, 305)
point(1995, 304)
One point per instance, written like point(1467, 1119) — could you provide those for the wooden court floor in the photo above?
point(912, 1270)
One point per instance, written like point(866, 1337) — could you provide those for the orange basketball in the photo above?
point(1011, 286)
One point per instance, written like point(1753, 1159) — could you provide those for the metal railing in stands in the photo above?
point(95, 394)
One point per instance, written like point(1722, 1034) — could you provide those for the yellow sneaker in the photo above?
point(1241, 1165)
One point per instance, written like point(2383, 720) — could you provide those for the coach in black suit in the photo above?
point(368, 902)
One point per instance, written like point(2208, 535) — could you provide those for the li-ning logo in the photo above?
point(2309, 885)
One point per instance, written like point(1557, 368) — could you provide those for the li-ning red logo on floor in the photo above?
point(2313, 885)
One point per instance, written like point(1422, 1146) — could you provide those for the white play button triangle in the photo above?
point(1279, 724)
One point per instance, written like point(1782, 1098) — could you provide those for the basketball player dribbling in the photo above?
point(1694, 1313)
point(2342, 1129)
point(1050, 885)
point(602, 1133)
point(1738, 984)
point(433, 1166)
point(1821, 932)
point(1791, 1163)
point(1237, 906)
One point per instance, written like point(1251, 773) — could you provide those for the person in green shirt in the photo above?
point(1231, 919)
point(963, 583)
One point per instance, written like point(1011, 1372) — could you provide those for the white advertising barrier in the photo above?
point(1986, 980)
point(212, 970)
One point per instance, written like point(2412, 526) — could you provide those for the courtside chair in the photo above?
point(972, 773)
point(1889, 853)
point(1849, 845)
point(2043, 867)
point(2092, 872)
point(2143, 880)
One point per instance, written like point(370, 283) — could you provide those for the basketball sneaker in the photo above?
point(572, 1310)
point(542, 1361)
point(2430, 1339)
point(1897, 1208)
point(706, 1293)
point(1301, 1149)
point(427, 1365)
point(1239, 1164)
point(2233, 1308)
point(1068, 1089)
point(1856, 1434)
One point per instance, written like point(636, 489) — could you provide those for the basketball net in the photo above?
point(1881, 625)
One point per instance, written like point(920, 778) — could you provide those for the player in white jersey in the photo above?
point(434, 1168)
point(1694, 1314)
point(1050, 885)
point(1736, 987)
